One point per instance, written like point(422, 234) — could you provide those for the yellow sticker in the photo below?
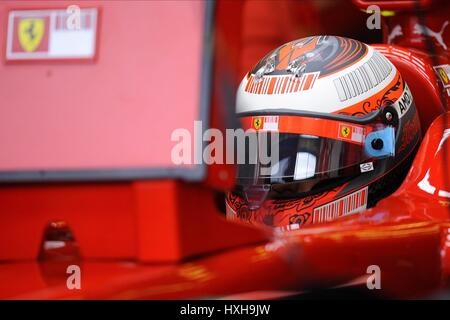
point(31, 32)
point(443, 75)
point(345, 131)
point(443, 72)
point(257, 122)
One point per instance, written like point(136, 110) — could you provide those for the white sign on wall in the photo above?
point(52, 34)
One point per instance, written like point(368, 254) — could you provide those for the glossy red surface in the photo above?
point(406, 235)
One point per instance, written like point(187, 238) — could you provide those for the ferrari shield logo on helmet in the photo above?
point(345, 131)
point(257, 122)
point(31, 32)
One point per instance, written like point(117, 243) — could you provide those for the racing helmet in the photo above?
point(346, 131)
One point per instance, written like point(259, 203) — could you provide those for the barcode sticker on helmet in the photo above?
point(364, 78)
point(350, 204)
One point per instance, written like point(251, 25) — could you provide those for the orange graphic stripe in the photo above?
point(308, 82)
point(272, 85)
point(326, 128)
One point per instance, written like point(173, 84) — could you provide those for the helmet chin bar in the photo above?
point(381, 143)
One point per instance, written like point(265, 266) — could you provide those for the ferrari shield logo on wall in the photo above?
point(31, 32)
point(257, 122)
point(41, 34)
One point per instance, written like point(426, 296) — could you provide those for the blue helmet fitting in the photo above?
point(387, 135)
